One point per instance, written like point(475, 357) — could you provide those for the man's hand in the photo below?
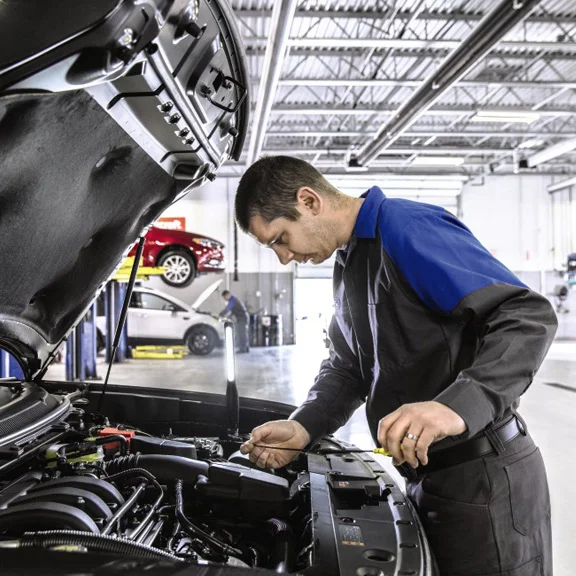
point(282, 433)
point(408, 432)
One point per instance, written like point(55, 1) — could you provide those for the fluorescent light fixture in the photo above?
point(385, 183)
point(532, 143)
point(563, 147)
point(402, 186)
point(505, 116)
point(229, 344)
point(421, 192)
point(356, 169)
point(412, 191)
point(562, 185)
point(438, 161)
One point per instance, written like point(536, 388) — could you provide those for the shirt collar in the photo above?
point(367, 219)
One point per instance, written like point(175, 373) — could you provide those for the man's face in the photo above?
point(308, 239)
point(226, 296)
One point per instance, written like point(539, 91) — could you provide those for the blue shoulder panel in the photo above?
point(437, 254)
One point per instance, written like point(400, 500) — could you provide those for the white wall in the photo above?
point(209, 211)
point(511, 216)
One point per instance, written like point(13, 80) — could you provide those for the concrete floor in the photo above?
point(285, 374)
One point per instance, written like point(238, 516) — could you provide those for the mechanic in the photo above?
point(237, 309)
point(439, 339)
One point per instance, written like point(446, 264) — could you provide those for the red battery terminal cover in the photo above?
point(128, 434)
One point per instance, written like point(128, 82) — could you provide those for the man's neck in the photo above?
point(347, 219)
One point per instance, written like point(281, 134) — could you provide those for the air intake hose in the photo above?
point(95, 542)
point(164, 467)
point(282, 549)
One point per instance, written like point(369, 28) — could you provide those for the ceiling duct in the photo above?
point(282, 18)
point(484, 37)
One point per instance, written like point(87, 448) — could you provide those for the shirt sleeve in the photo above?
point(229, 307)
point(337, 391)
point(454, 275)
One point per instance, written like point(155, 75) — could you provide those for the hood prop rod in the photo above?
point(123, 313)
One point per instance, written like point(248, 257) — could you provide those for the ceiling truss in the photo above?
point(347, 70)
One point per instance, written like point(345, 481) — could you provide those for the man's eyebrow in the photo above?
point(270, 243)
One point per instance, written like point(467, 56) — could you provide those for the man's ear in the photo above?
point(309, 199)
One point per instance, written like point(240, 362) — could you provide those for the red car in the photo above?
point(183, 254)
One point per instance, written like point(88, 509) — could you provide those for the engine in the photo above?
point(107, 487)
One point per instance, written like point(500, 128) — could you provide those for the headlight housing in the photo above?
point(208, 243)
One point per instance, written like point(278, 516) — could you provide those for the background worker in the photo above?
point(439, 339)
point(237, 310)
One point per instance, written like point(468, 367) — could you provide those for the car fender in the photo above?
point(174, 247)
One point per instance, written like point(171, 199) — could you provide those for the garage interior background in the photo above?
point(326, 78)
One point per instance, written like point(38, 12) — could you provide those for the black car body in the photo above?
point(110, 110)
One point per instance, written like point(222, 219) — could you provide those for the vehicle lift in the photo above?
point(9, 368)
point(81, 346)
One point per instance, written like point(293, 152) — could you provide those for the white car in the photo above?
point(158, 318)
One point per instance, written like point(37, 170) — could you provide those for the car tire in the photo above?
point(201, 340)
point(181, 269)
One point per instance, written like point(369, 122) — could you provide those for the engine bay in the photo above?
point(76, 481)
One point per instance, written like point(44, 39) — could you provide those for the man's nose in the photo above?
point(284, 255)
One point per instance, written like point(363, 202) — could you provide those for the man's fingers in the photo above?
point(427, 437)
point(256, 453)
point(384, 425)
point(409, 443)
point(257, 436)
point(272, 462)
point(395, 438)
point(247, 447)
point(262, 461)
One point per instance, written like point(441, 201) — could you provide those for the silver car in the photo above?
point(155, 317)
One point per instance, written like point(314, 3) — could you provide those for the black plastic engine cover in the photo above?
point(258, 493)
point(150, 445)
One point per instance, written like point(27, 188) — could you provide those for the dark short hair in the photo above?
point(269, 188)
point(225, 292)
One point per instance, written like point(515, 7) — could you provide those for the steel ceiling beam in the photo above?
point(395, 151)
point(411, 44)
point(282, 18)
point(402, 16)
point(417, 134)
point(438, 111)
point(503, 18)
point(386, 83)
point(557, 55)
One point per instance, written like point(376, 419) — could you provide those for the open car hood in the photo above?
point(109, 112)
point(206, 294)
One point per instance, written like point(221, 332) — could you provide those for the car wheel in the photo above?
point(180, 268)
point(201, 340)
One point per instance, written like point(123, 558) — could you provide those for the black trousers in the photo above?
point(489, 516)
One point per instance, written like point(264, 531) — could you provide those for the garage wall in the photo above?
point(263, 283)
point(513, 217)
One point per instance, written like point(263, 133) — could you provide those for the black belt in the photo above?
point(468, 450)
